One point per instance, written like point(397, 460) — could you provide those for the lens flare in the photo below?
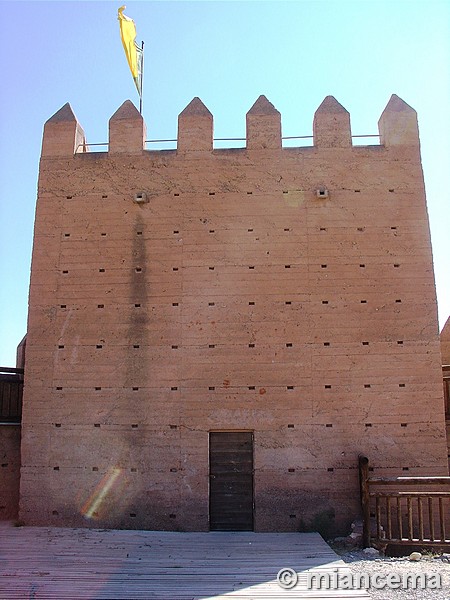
point(91, 506)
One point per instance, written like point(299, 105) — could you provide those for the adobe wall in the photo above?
point(445, 352)
point(10, 439)
point(9, 471)
point(234, 298)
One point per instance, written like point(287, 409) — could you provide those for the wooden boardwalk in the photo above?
point(64, 564)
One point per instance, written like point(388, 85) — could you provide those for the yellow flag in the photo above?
point(132, 51)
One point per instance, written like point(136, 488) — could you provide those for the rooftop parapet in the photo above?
point(195, 127)
point(263, 126)
point(127, 131)
point(398, 124)
point(63, 135)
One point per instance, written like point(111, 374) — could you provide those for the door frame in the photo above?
point(230, 430)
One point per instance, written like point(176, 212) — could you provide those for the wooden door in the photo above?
point(231, 481)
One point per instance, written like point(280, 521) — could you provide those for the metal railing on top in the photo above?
point(82, 148)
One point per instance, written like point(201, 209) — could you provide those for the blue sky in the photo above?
point(227, 53)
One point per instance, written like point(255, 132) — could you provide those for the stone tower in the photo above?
point(216, 335)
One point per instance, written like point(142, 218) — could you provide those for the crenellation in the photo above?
point(127, 131)
point(63, 135)
point(263, 126)
point(332, 125)
point(195, 128)
point(398, 124)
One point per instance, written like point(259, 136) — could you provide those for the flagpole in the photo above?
point(142, 79)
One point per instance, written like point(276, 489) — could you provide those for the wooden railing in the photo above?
point(446, 382)
point(11, 389)
point(413, 511)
